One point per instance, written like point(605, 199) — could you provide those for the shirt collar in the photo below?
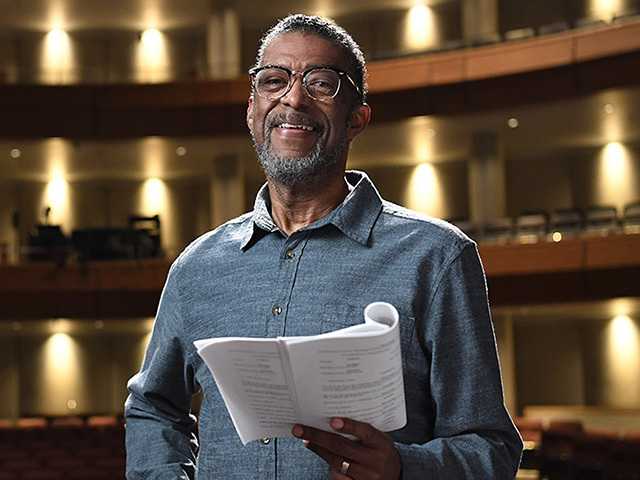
point(354, 217)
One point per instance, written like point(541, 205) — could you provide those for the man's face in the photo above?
point(297, 137)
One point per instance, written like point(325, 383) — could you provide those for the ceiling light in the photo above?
point(181, 151)
point(15, 153)
point(513, 122)
point(608, 108)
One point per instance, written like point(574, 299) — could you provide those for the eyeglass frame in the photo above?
point(292, 73)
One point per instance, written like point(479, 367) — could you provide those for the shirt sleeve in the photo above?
point(473, 435)
point(160, 431)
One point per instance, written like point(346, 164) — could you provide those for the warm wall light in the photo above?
point(152, 58)
point(623, 361)
point(15, 153)
point(606, 9)
point(616, 175)
point(57, 192)
point(154, 197)
point(421, 28)
point(424, 192)
point(60, 370)
point(57, 59)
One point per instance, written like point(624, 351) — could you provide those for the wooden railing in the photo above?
point(571, 270)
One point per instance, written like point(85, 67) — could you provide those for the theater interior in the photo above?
point(123, 138)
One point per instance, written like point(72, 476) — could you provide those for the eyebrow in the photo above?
point(308, 67)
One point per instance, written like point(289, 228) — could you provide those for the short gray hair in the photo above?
point(324, 28)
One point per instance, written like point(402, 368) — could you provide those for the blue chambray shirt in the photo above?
point(248, 279)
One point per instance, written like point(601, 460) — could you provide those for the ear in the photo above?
point(250, 113)
point(358, 120)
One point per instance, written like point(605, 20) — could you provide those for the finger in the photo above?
point(333, 442)
point(367, 434)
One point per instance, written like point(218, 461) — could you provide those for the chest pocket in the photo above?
point(335, 317)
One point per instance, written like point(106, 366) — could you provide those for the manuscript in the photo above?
point(269, 384)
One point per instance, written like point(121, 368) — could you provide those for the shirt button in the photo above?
point(291, 254)
point(265, 440)
point(276, 310)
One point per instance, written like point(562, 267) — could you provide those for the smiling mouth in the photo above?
point(292, 126)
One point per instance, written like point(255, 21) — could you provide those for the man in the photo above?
point(318, 247)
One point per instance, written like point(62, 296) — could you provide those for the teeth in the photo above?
point(299, 127)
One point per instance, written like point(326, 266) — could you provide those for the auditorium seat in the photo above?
point(602, 220)
point(631, 218)
point(499, 230)
point(568, 222)
point(531, 226)
point(42, 475)
point(558, 448)
point(67, 422)
point(624, 463)
point(99, 421)
point(589, 22)
point(28, 423)
point(486, 39)
point(629, 15)
point(519, 34)
point(92, 473)
point(555, 27)
point(592, 452)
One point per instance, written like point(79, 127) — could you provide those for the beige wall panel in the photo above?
point(539, 183)
point(607, 176)
point(7, 206)
point(612, 360)
point(88, 201)
point(57, 369)
point(442, 192)
point(549, 364)
point(505, 340)
point(9, 407)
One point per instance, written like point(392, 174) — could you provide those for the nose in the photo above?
point(296, 97)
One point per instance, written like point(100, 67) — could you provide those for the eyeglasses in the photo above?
point(321, 83)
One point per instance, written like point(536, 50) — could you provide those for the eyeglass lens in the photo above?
point(320, 83)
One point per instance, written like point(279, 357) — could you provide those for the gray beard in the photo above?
point(306, 170)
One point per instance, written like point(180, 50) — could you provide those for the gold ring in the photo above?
point(344, 468)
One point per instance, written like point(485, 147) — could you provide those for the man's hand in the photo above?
point(371, 456)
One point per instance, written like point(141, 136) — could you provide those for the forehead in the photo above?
point(298, 50)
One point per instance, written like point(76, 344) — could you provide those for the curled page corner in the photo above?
point(381, 312)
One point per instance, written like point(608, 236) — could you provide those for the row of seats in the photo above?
point(630, 14)
point(536, 225)
point(88, 448)
point(565, 450)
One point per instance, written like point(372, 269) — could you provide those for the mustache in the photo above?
point(293, 118)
